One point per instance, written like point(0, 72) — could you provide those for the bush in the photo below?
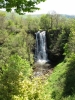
point(14, 72)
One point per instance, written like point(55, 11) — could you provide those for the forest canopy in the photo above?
point(20, 6)
point(19, 77)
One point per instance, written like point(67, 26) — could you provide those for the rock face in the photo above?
point(55, 44)
point(42, 69)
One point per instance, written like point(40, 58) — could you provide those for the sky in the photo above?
point(59, 6)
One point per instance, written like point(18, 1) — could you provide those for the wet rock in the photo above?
point(40, 69)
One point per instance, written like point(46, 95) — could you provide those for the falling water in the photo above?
point(40, 50)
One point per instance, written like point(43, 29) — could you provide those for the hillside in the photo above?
point(17, 57)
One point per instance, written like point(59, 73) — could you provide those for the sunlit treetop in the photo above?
point(20, 6)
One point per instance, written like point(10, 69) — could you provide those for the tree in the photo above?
point(29, 22)
point(20, 6)
point(54, 20)
point(45, 22)
point(14, 72)
point(2, 20)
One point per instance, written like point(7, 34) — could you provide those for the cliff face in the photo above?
point(56, 40)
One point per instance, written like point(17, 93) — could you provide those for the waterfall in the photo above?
point(40, 50)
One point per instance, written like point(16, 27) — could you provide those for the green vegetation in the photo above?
point(20, 6)
point(62, 81)
point(17, 44)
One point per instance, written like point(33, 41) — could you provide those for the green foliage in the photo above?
point(16, 56)
point(63, 38)
point(32, 27)
point(14, 71)
point(20, 6)
point(62, 80)
point(70, 46)
point(33, 90)
point(56, 40)
point(16, 85)
point(69, 88)
point(2, 20)
point(14, 39)
point(3, 36)
point(18, 64)
point(45, 22)
point(56, 82)
point(53, 21)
